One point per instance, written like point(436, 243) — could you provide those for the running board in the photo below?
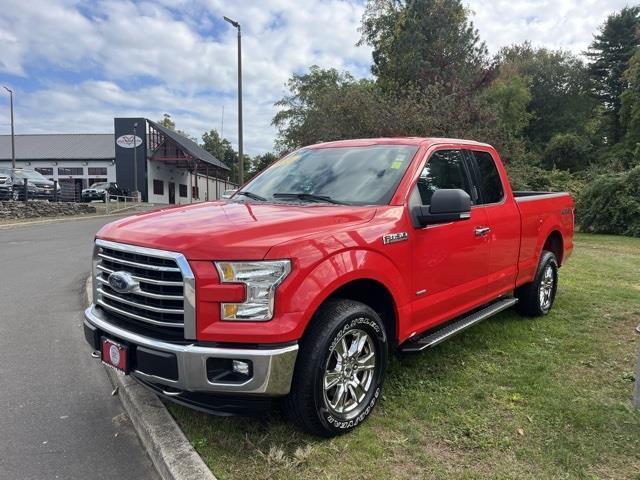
point(433, 338)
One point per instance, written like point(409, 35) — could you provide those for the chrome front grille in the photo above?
point(164, 294)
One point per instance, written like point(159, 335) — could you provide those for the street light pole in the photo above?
point(240, 152)
point(13, 143)
point(135, 161)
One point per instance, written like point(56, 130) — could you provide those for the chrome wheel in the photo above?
point(349, 371)
point(547, 285)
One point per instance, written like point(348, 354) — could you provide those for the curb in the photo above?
point(169, 450)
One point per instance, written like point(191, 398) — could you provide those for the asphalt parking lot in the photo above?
point(58, 418)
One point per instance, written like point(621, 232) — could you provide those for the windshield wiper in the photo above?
point(308, 196)
point(251, 195)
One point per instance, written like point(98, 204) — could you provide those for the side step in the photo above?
point(433, 338)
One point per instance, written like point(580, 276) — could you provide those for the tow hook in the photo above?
point(96, 354)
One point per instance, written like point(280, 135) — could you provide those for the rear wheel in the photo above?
point(340, 369)
point(536, 298)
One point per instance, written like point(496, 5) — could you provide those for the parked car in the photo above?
point(6, 184)
point(38, 186)
point(301, 286)
point(98, 191)
point(229, 192)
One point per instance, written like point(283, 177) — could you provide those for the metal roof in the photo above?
point(59, 146)
point(189, 146)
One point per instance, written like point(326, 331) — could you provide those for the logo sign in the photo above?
point(122, 282)
point(129, 141)
point(114, 355)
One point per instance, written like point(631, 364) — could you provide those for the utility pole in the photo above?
point(13, 141)
point(240, 152)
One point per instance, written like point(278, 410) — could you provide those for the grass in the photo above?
point(512, 397)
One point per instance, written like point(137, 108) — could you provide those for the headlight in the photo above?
point(261, 280)
point(8, 181)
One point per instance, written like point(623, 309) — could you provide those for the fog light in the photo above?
point(240, 367)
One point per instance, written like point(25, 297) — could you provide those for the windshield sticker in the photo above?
point(396, 165)
point(288, 160)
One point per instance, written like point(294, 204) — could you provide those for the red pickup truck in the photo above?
point(299, 287)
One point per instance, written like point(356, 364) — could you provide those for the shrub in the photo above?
point(566, 151)
point(611, 204)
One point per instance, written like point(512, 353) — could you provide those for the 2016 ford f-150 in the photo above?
point(300, 286)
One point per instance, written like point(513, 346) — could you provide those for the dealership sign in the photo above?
point(127, 141)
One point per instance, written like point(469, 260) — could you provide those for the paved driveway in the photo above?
point(57, 416)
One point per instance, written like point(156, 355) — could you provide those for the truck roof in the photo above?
point(361, 142)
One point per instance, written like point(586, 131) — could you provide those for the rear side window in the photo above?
point(445, 169)
point(490, 182)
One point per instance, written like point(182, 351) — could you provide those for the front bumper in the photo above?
point(92, 196)
point(271, 373)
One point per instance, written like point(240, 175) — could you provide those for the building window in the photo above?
point(70, 171)
point(195, 192)
point(97, 170)
point(46, 171)
point(183, 190)
point(158, 187)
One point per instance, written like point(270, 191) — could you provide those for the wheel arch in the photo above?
point(555, 244)
point(363, 276)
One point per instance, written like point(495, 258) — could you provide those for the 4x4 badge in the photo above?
point(395, 237)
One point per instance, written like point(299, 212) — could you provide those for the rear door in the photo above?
point(503, 219)
point(450, 260)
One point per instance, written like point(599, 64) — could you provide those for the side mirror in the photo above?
point(447, 205)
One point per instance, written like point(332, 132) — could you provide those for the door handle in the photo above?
point(481, 231)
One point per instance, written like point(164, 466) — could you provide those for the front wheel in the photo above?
point(340, 369)
point(536, 298)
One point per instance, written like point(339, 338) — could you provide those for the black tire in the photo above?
point(308, 404)
point(536, 298)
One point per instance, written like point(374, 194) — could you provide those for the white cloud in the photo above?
point(565, 24)
point(76, 64)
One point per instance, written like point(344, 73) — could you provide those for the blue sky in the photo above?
point(75, 65)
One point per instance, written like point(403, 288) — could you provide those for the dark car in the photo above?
point(38, 186)
point(98, 191)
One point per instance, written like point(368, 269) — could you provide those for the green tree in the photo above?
point(167, 122)
point(323, 105)
point(566, 151)
point(259, 163)
point(558, 83)
point(610, 53)
point(221, 149)
point(421, 43)
point(630, 102)
point(510, 96)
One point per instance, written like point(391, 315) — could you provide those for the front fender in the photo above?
point(340, 269)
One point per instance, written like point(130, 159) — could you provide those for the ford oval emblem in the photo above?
point(122, 282)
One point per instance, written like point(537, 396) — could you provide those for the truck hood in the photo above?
point(230, 230)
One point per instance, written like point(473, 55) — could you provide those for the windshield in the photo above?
point(351, 175)
point(99, 185)
point(30, 175)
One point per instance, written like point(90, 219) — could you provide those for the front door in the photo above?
point(450, 260)
point(172, 193)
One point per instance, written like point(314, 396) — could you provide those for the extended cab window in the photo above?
point(490, 183)
point(445, 169)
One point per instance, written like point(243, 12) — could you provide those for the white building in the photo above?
point(172, 169)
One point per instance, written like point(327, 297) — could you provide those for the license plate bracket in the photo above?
point(115, 355)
